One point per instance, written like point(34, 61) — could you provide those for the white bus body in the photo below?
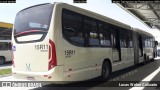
point(5, 51)
point(60, 42)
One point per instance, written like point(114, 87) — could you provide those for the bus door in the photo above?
point(140, 48)
point(125, 52)
point(116, 53)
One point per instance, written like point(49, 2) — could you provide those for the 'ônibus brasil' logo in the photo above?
point(28, 67)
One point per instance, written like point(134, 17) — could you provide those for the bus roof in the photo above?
point(99, 17)
point(34, 6)
point(143, 32)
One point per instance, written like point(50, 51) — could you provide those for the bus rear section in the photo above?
point(34, 49)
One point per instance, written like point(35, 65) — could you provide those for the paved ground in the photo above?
point(140, 73)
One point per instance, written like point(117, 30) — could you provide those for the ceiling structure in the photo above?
point(148, 13)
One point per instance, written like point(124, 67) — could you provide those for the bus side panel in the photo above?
point(79, 62)
point(149, 52)
point(56, 36)
point(85, 63)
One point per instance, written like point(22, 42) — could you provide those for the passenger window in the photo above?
point(105, 35)
point(146, 42)
point(123, 35)
point(72, 28)
point(90, 27)
point(130, 41)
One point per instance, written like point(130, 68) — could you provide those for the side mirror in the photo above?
point(156, 42)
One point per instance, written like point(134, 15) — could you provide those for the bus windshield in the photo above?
point(33, 19)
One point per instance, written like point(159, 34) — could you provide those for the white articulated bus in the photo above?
point(61, 42)
point(5, 51)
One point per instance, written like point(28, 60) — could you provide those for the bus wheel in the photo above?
point(2, 60)
point(106, 71)
point(145, 59)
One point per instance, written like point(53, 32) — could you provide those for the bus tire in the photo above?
point(152, 59)
point(106, 71)
point(145, 59)
point(2, 60)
